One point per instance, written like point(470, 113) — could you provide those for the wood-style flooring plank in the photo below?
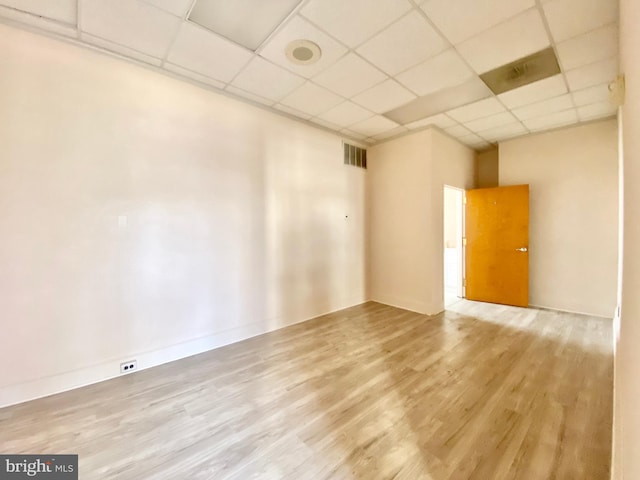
point(481, 391)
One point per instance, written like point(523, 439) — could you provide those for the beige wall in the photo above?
point(144, 217)
point(406, 227)
point(487, 169)
point(627, 381)
point(573, 214)
point(399, 180)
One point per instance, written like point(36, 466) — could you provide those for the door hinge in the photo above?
point(464, 199)
point(464, 241)
point(464, 282)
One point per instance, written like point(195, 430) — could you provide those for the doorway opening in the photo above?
point(453, 248)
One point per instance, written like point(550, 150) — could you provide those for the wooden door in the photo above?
point(497, 245)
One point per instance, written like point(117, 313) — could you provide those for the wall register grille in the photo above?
point(355, 156)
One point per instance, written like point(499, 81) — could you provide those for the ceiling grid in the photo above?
point(377, 57)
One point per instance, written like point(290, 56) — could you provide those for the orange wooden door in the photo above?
point(497, 251)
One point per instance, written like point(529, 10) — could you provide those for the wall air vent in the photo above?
point(535, 67)
point(355, 156)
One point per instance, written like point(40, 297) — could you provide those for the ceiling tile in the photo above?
point(39, 22)
point(354, 21)
point(299, 28)
point(552, 105)
point(119, 49)
point(352, 134)
point(246, 22)
point(458, 131)
point(193, 75)
point(404, 44)
point(596, 110)
point(441, 120)
point(345, 114)
point(505, 42)
point(292, 111)
point(177, 7)
point(391, 133)
point(503, 132)
point(445, 70)
point(491, 121)
point(595, 94)
point(483, 108)
point(461, 19)
point(349, 76)
point(324, 123)
point(384, 96)
point(60, 10)
point(267, 80)
point(593, 74)
point(136, 25)
point(568, 18)
point(312, 99)
point(373, 126)
point(534, 92)
point(238, 92)
point(552, 120)
point(596, 45)
point(471, 140)
point(481, 146)
point(205, 52)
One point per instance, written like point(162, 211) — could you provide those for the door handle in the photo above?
point(522, 249)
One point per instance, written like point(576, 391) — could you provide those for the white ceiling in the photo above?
point(377, 55)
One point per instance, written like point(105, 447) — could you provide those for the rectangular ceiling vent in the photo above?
point(354, 156)
point(532, 68)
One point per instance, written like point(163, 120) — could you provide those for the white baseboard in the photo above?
point(554, 309)
point(411, 305)
point(51, 385)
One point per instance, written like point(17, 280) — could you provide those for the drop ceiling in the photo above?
point(378, 57)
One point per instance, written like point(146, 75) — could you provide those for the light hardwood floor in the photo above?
point(372, 392)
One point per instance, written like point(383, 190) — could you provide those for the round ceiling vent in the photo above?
point(303, 52)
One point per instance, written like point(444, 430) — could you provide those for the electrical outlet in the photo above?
point(129, 366)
